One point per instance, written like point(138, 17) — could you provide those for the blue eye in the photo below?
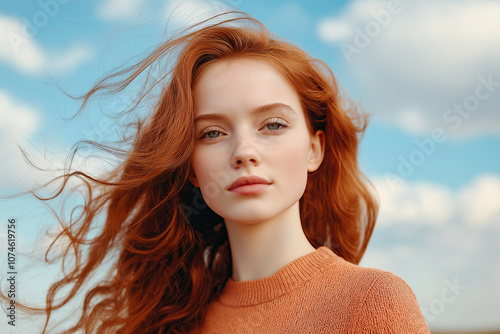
point(209, 133)
point(212, 132)
point(276, 125)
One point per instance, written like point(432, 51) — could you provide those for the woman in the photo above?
point(241, 207)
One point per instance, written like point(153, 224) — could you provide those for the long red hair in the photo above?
point(173, 251)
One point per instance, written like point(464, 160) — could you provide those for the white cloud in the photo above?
point(423, 203)
point(431, 235)
point(180, 13)
point(19, 123)
point(480, 201)
point(14, 170)
point(18, 126)
point(424, 55)
point(450, 253)
point(413, 203)
point(333, 30)
point(185, 13)
point(19, 49)
point(120, 9)
point(17, 117)
point(177, 14)
point(412, 120)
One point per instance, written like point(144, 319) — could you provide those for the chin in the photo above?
point(250, 214)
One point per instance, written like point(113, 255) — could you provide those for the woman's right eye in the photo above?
point(210, 134)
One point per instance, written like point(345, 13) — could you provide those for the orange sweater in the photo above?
point(316, 293)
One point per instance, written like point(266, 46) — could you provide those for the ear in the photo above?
point(316, 151)
point(192, 177)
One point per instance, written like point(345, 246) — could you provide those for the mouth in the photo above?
point(245, 181)
point(250, 189)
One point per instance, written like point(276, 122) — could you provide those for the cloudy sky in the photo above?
point(427, 71)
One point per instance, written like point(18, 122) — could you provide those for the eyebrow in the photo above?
point(259, 110)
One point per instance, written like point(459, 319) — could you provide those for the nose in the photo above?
point(245, 151)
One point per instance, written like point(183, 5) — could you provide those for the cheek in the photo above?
point(200, 165)
point(292, 159)
point(208, 167)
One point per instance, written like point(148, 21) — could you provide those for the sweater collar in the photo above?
point(262, 290)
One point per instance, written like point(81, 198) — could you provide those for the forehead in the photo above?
point(242, 65)
point(242, 83)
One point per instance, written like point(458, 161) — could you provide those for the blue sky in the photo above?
point(427, 71)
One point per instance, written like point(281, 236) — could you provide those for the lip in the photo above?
point(250, 189)
point(249, 183)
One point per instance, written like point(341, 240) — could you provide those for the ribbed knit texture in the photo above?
point(317, 293)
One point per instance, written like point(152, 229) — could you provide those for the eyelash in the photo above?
point(281, 123)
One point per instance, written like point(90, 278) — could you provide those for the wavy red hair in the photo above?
point(173, 251)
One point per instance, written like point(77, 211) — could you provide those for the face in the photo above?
point(249, 122)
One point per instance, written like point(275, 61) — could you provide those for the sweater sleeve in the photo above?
point(390, 306)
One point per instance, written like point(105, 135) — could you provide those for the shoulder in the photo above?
point(377, 301)
point(369, 283)
point(365, 281)
point(388, 305)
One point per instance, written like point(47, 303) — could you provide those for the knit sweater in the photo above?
point(319, 292)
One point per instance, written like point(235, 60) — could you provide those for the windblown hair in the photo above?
point(173, 250)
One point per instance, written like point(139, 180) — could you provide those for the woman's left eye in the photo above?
point(276, 126)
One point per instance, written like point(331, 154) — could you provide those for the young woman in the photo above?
point(240, 207)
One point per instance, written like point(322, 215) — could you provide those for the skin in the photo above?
point(264, 229)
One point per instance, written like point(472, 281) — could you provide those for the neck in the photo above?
point(260, 249)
